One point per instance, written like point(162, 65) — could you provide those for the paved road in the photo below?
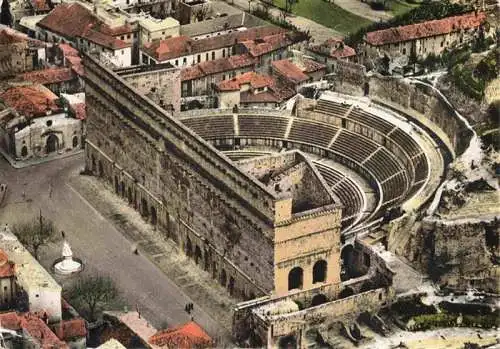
point(95, 240)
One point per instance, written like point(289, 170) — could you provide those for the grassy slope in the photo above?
point(327, 14)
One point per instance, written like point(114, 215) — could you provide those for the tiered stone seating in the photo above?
point(353, 146)
point(346, 190)
point(421, 167)
point(406, 142)
point(264, 126)
point(383, 165)
point(394, 187)
point(368, 119)
point(331, 108)
point(211, 127)
point(312, 132)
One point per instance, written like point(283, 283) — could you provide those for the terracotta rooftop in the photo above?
point(79, 110)
point(216, 66)
point(68, 51)
point(40, 5)
point(179, 46)
point(70, 329)
point(7, 268)
point(254, 79)
point(333, 48)
point(48, 76)
point(30, 101)
point(73, 20)
point(290, 71)
point(189, 335)
point(35, 328)
point(310, 66)
point(425, 29)
point(261, 46)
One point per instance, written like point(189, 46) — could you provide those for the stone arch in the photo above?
point(287, 342)
point(101, 169)
point(346, 292)
point(75, 141)
point(144, 208)
point(24, 151)
point(367, 286)
point(318, 299)
point(129, 195)
point(230, 286)
point(295, 278)
point(52, 143)
point(154, 216)
point(319, 271)
point(197, 255)
point(189, 247)
point(223, 278)
point(346, 256)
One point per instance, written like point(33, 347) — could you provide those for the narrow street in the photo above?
point(96, 240)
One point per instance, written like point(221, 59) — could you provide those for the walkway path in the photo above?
point(318, 32)
point(362, 9)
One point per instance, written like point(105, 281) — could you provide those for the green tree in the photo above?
point(35, 234)
point(93, 293)
point(5, 15)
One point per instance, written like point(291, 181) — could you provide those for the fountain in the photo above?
point(67, 265)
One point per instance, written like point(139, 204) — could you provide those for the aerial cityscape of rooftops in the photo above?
point(249, 174)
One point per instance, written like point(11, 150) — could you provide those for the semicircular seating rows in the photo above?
point(395, 176)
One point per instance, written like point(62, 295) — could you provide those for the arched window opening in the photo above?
point(223, 278)
point(189, 247)
point(318, 299)
point(288, 342)
point(197, 255)
point(230, 286)
point(319, 271)
point(295, 278)
point(346, 292)
point(154, 217)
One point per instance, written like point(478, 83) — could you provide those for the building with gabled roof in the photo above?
point(187, 336)
point(425, 38)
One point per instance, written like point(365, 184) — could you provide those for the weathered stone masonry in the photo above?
point(215, 213)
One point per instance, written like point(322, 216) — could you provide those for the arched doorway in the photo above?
point(366, 88)
point(223, 278)
point(145, 210)
point(122, 188)
point(319, 271)
point(154, 217)
point(206, 266)
point(214, 270)
point(52, 143)
point(197, 255)
point(346, 292)
point(230, 286)
point(318, 299)
point(288, 342)
point(346, 257)
point(24, 151)
point(295, 278)
point(75, 141)
point(117, 189)
point(130, 197)
point(189, 248)
point(93, 162)
point(101, 169)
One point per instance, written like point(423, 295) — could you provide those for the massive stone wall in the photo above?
point(155, 171)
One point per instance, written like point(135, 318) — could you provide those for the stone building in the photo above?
point(7, 281)
point(18, 53)
point(424, 38)
point(33, 124)
point(330, 51)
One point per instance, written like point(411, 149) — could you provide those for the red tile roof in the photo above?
point(79, 110)
point(35, 328)
point(48, 76)
point(266, 44)
point(425, 29)
point(255, 80)
point(262, 97)
point(333, 48)
point(30, 101)
point(7, 268)
point(290, 71)
point(70, 329)
point(187, 336)
point(68, 51)
point(40, 5)
point(73, 20)
point(216, 66)
point(311, 66)
point(179, 46)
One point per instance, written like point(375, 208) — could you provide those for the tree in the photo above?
point(35, 234)
point(6, 16)
point(93, 293)
point(289, 5)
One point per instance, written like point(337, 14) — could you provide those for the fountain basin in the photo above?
point(67, 266)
